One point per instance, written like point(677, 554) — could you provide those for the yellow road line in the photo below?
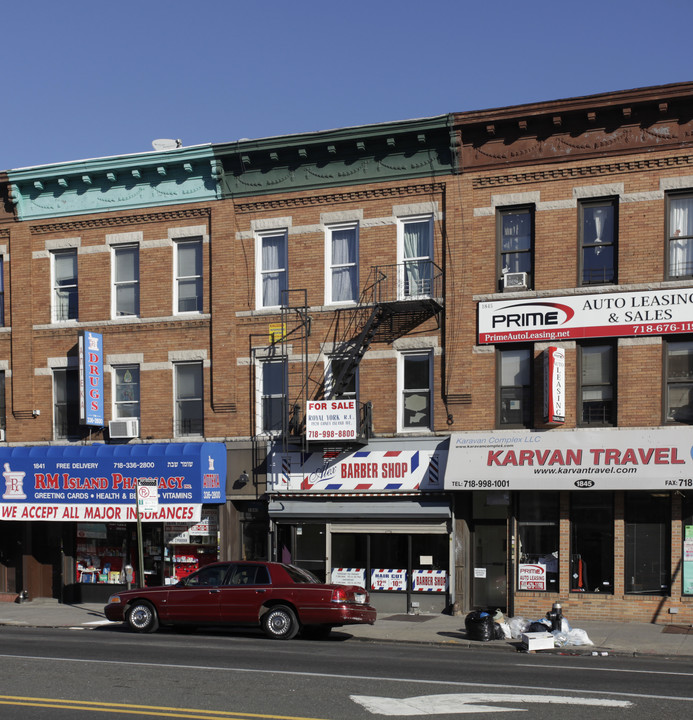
point(130, 709)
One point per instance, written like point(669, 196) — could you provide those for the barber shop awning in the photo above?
point(99, 482)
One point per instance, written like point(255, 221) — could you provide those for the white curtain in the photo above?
point(417, 258)
point(273, 271)
point(681, 236)
point(344, 265)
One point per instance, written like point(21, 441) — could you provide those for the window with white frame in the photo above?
point(415, 253)
point(597, 379)
point(272, 262)
point(189, 415)
point(65, 289)
point(342, 278)
point(188, 275)
point(598, 232)
point(514, 387)
point(126, 395)
point(515, 229)
point(679, 381)
point(66, 403)
point(126, 280)
point(415, 379)
point(271, 388)
point(680, 234)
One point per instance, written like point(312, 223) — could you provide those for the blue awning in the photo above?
point(43, 482)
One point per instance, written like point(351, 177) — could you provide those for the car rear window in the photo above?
point(299, 575)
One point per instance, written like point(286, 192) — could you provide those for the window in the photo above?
point(188, 273)
point(127, 392)
point(687, 549)
point(679, 382)
point(515, 387)
point(126, 280)
point(597, 385)
point(680, 234)
point(598, 242)
point(65, 297)
point(3, 416)
point(415, 250)
point(515, 242)
point(538, 542)
point(2, 291)
point(592, 542)
point(342, 274)
point(66, 403)
point(416, 391)
point(189, 400)
point(272, 383)
point(348, 385)
point(272, 262)
point(648, 529)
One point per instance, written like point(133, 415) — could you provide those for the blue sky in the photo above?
point(87, 79)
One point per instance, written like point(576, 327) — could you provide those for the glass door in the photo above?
point(303, 545)
point(490, 583)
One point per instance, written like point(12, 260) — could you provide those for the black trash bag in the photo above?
point(538, 627)
point(479, 625)
point(498, 633)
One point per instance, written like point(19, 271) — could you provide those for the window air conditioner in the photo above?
point(126, 428)
point(2, 435)
point(515, 281)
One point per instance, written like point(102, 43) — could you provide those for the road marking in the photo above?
point(130, 709)
point(342, 676)
point(465, 703)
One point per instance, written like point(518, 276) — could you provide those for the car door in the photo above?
point(196, 598)
point(246, 589)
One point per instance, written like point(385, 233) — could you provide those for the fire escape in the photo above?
point(395, 300)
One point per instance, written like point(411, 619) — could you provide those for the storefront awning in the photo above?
point(99, 482)
point(409, 508)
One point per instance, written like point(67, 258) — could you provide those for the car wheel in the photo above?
point(280, 623)
point(141, 617)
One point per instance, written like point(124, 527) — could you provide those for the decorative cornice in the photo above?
point(120, 221)
point(563, 173)
point(378, 193)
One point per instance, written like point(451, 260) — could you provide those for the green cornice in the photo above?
point(351, 156)
point(171, 177)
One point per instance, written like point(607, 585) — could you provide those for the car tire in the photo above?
point(280, 623)
point(142, 617)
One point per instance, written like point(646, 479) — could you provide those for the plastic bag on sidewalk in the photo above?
point(479, 625)
point(517, 626)
point(578, 637)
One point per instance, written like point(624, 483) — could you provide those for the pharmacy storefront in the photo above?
point(375, 517)
point(70, 516)
point(599, 520)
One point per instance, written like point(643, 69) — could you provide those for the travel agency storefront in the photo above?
point(374, 517)
point(598, 520)
point(69, 516)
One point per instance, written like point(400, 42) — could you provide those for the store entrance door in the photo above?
point(490, 582)
point(305, 546)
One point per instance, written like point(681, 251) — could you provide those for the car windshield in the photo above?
point(299, 575)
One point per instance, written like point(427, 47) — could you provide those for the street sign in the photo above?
point(147, 494)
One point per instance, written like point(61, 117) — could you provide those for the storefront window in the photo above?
point(592, 542)
point(687, 554)
point(538, 541)
point(648, 549)
point(191, 546)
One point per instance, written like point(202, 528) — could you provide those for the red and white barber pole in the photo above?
point(554, 385)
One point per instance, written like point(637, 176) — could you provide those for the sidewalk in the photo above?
point(612, 638)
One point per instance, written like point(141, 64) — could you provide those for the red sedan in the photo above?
point(281, 599)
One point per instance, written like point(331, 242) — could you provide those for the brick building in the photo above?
point(446, 358)
point(577, 309)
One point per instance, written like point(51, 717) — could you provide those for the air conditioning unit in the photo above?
point(515, 281)
point(126, 428)
point(2, 435)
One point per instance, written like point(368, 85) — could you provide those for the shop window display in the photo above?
point(592, 543)
point(538, 537)
point(648, 543)
point(190, 547)
point(688, 544)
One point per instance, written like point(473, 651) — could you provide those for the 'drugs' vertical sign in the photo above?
point(91, 378)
